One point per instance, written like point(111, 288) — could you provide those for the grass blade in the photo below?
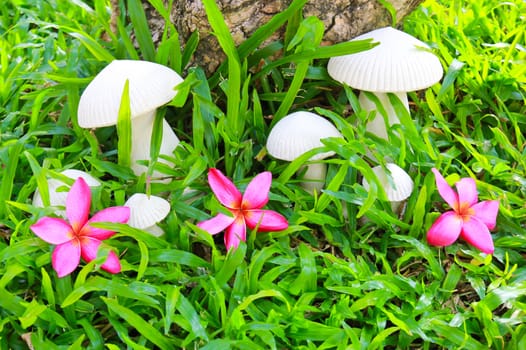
point(142, 31)
point(124, 128)
point(177, 301)
point(233, 89)
point(100, 53)
point(140, 325)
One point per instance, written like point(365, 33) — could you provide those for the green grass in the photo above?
point(365, 280)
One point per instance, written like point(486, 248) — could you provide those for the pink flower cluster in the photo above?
point(75, 238)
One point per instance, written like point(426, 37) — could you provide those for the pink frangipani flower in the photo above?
point(469, 219)
point(76, 238)
point(246, 209)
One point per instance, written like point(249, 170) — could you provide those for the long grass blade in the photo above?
point(233, 91)
point(140, 324)
point(142, 31)
point(124, 127)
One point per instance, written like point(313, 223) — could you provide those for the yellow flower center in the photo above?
point(465, 211)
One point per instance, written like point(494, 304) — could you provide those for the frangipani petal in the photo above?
point(112, 263)
point(225, 191)
point(256, 194)
point(235, 233)
point(446, 192)
point(445, 230)
point(53, 230)
point(486, 212)
point(112, 214)
point(467, 191)
point(78, 204)
point(66, 257)
point(216, 224)
point(476, 233)
point(90, 247)
point(268, 220)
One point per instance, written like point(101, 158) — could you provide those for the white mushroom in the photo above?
point(396, 183)
point(58, 198)
point(399, 64)
point(151, 85)
point(300, 132)
point(146, 211)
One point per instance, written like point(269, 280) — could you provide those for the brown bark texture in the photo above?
point(343, 20)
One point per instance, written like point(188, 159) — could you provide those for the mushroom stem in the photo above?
point(155, 230)
point(142, 128)
point(377, 125)
point(396, 207)
point(314, 177)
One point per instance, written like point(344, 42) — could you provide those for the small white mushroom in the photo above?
point(300, 132)
point(396, 183)
point(151, 85)
point(399, 64)
point(58, 198)
point(146, 211)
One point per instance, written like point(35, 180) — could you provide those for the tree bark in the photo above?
point(343, 19)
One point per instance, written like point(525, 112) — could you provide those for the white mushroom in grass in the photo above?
point(151, 85)
point(399, 64)
point(396, 183)
point(300, 132)
point(146, 211)
point(57, 197)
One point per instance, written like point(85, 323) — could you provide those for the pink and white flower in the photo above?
point(245, 208)
point(75, 238)
point(469, 219)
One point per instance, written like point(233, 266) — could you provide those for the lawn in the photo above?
point(348, 272)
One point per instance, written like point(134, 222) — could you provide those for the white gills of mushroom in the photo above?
point(146, 211)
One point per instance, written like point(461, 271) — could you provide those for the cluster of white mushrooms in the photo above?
point(398, 64)
point(151, 85)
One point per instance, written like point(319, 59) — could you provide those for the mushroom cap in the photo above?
point(399, 63)
point(59, 198)
point(299, 132)
point(151, 85)
point(403, 184)
point(146, 211)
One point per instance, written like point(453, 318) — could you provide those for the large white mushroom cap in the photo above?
point(300, 132)
point(146, 211)
point(400, 63)
point(58, 198)
point(151, 85)
point(397, 184)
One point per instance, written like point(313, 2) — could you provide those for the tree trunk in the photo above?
point(343, 19)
